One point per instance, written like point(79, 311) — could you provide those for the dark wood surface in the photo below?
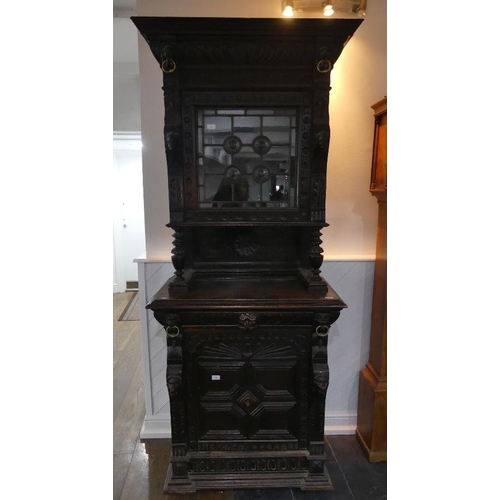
point(235, 293)
point(163, 27)
point(372, 399)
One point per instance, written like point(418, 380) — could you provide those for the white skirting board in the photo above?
point(348, 345)
point(158, 426)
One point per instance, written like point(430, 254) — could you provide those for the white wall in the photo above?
point(126, 102)
point(348, 345)
point(358, 80)
point(126, 93)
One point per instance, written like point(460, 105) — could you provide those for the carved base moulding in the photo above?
point(261, 470)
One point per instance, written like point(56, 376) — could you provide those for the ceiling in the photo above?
point(124, 4)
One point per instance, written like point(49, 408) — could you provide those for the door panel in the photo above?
point(247, 387)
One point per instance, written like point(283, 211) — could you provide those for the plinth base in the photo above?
point(228, 480)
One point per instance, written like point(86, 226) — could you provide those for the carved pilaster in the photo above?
point(318, 476)
point(176, 385)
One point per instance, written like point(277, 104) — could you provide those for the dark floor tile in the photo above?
point(341, 489)
point(263, 494)
point(202, 495)
point(312, 495)
point(367, 481)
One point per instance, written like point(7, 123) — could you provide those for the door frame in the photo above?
point(122, 141)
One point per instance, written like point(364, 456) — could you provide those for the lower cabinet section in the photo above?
point(247, 394)
point(249, 399)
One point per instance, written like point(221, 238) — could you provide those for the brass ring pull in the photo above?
point(171, 63)
point(172, 335)
point(323, 332)
point(324, 66)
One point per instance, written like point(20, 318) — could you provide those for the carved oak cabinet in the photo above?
point(247, 312)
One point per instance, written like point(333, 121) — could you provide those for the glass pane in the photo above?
point(276, 122)
point(279, 138)
point(216, 129)
point(230, 111)
point(247, 158)
point(247, 124)
point(260, 112)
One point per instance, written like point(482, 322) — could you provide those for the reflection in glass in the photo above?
point(247, 157)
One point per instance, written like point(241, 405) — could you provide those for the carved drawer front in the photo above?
point(248, 320)
point(248, 389)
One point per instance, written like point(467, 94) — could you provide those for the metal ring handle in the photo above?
point(324, 66)
point(324, 333)
point(172, 69)
point(172, 335)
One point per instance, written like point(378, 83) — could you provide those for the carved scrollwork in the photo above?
point(246, 244)
point(318, 192)
point(255, 54)
point(171, 320)
point(247, 320)
point(323, 319)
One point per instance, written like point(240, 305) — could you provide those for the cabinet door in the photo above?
point(250, 389)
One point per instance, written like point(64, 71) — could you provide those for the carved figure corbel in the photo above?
point(173, 148)
point(174, 379)
point(321, 377)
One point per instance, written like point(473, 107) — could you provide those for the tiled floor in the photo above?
point(140, 476)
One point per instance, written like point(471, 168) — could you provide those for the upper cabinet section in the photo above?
point(246, 115)
point(245, 53)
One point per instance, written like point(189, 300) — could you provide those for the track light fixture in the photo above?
point(288, 8)
point(328, 9)
point(313, 8)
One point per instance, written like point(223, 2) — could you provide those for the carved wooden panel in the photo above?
point(246, 245)
point(248, 387)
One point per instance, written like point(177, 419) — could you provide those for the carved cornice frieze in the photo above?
point(246, 53)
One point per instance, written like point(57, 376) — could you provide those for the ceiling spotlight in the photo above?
point(288, 8)
point(328, 9)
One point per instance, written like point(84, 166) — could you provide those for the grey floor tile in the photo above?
point(263, 494)
point(367, 481)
